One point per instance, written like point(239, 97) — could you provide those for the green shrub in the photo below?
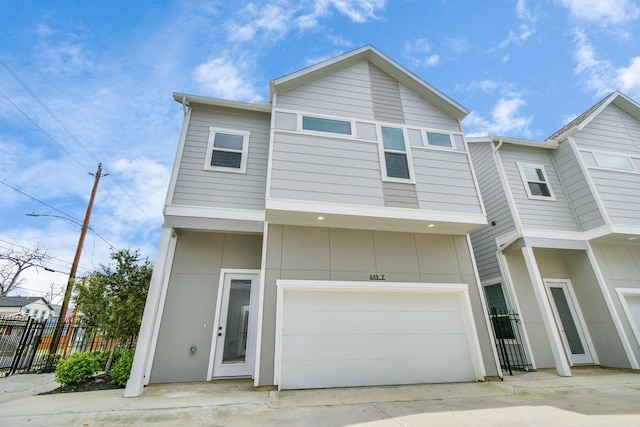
point(77, 368)
point(122, 368)
point(103, 356)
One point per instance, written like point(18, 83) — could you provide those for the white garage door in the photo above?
point(339, 337)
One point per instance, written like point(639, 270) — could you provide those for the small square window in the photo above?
point(439, 139)
point(536, 181)
point(326, 125)
point(227, 150)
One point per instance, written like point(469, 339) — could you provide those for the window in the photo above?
point(500, 317)
point(35, 313)
point(396, 162)
point(227, 150)
point(614, 162)
point(536, 182)
point(439, 139)
point(326, 125)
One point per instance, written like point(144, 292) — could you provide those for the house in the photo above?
point(35, 307)
point(320, 239)
point(562, 247)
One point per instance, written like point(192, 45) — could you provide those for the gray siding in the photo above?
point(198, 187)
point(580, 195)
point(620, 195)
point(400, 195)
point(324, 169)
point(420, 112)
point(346, 93)
point(538, 214)
point(191, 300)
point(497, 207)
point(317, 253)
point(387, 106)
point(612, 130)
point(444, 181)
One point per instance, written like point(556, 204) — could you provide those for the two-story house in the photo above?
point(37, 308)
point(562, 247)
point(320, 239)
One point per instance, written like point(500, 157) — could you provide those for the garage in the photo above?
point(342, 334)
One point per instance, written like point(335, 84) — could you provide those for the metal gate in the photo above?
point(509, 342)
point(19, 342)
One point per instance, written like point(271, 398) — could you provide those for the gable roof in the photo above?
point(617, 98)
point(382, 61)
point(21, 301)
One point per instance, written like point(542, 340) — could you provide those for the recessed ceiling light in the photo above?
point(431, 225)
point(632, 238)
point(320, 218)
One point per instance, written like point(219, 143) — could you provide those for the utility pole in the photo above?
point(55, 340)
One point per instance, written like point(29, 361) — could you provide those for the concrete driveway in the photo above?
point(592, 397)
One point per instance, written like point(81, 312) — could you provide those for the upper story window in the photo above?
point(613, 161)
point(396, 164)
point(536, 181)
point(439, 139)
point(326, 125)
point(227, 150)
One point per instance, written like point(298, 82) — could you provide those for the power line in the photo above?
point(42, 130)
point(73, 136)
point(48, 110)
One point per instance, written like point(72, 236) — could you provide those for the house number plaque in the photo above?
point(376, 277)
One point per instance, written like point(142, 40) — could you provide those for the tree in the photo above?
point(112, 302)
point(14, 261)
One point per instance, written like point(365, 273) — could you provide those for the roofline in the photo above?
point(218, 102)
point(381, 60)
point(549, 144)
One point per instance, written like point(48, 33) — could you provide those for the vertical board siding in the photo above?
point(316, 168)
point(346, 93)
point(198, 187)
point(497, 207)
point(387, 106)
point(620, 195)
point(400, 195)
point(420, 112)
point(612, 130)
point(580, 195)
point(538, 214)
point(444, 181)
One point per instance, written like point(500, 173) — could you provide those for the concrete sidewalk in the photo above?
point(592, 397)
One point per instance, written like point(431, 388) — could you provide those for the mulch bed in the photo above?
point(96, 383)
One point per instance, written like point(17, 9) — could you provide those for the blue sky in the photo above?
point(105, 71)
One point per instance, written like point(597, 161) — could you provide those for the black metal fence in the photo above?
point(25, 344)
point(509, 342)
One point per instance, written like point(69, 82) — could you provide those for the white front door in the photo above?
point(235, 336)
point(569, 320)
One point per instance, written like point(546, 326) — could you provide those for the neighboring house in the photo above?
point(35, 307)
point(320, 239)
point(563, 245)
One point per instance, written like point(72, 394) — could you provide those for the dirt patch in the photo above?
point(96, 383)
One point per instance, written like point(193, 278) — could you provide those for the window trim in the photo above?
point(210, 149)
point(525, 181)
point(406, 152)
point(634, 161)
point(301, 117)
point(425, 139)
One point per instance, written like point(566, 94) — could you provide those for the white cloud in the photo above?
point(457, 44)
point(505, 119)
point(432, 61)
point(525, 29)
point(222, 78)
point(601, 75)
point(602, 11)
point(418, 53)
point(274, 20)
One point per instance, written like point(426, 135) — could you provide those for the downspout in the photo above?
point(185, 105)
point(497, 147)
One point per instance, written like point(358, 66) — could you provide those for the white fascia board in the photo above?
point(374, 211)
point(585, 236)
point(217, 213)
point(218, 102)
point(176, 162)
